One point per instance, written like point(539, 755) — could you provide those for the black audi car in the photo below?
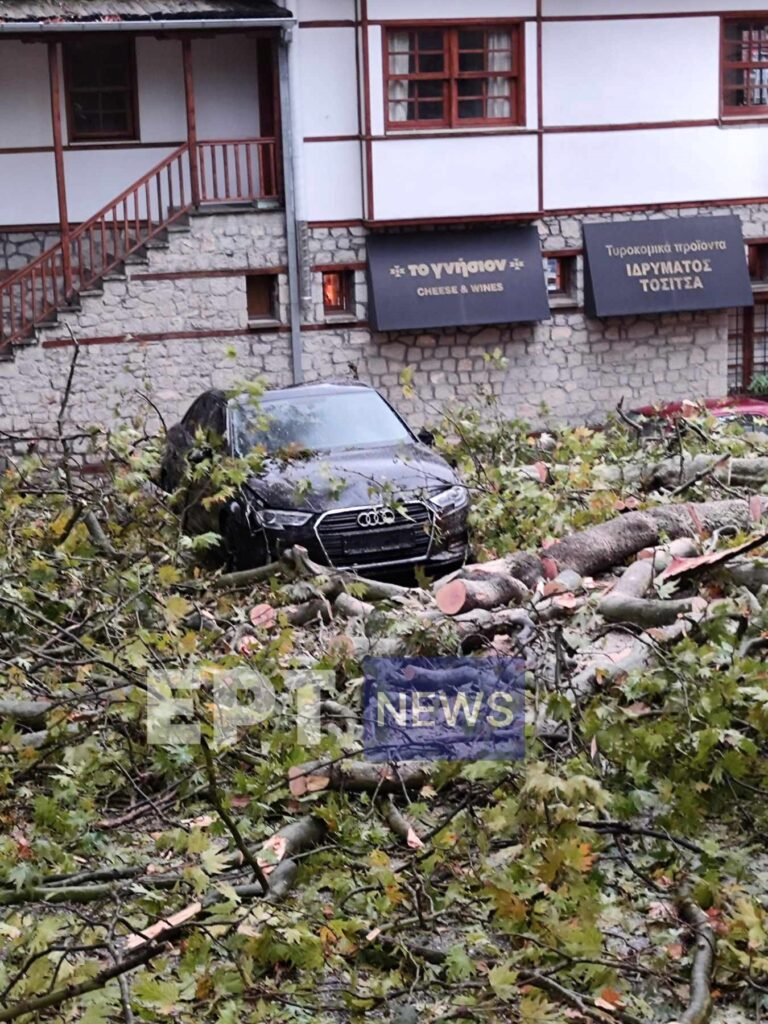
point(343, 475)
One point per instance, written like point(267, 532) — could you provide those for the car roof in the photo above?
point(320, 387)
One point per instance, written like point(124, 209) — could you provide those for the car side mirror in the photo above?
point(426, 437)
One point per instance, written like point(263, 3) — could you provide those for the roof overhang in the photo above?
point(35, 28)
point(163, 20)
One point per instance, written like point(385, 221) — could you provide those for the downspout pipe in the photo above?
point(289, 188)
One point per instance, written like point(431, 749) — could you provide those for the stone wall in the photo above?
point(176, 324)
point(17, 248)
point(569, 368)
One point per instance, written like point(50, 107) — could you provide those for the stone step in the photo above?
point(54, 326)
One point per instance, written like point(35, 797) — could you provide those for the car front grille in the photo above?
point(348, 543)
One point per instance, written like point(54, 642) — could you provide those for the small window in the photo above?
point(745, 66)
point(560, 275)
point(757, 260)
point(747, 346)
point(337, 292)
point(100, 77)
point(261, 295)
point(449, 77)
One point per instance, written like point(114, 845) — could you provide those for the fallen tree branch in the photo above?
point(357, 776)
point(535, 979)
point(98, 981)
point(700, 1002)
point(646, 612)
point(400, 825)
point(29, 713)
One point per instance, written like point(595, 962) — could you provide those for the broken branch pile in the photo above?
point(283, 882)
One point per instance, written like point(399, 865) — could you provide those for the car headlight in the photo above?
point(278, 519)
point(452, 497)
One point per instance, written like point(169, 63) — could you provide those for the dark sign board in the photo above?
point(452, 278)
point(665, 266)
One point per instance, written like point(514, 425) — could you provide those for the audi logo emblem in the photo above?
point(376, 517)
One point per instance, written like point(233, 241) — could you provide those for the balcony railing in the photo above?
point(224, 171)
point(238, 171)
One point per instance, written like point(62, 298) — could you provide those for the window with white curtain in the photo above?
point(454, 76)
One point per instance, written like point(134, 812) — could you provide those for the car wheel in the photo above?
point(244, 549)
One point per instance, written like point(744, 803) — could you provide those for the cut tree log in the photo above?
point(400, 825)
point(316, 610)
point(751, 573)
point(478, 588)
point(594, 551)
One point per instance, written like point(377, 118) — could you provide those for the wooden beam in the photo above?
point(58, 156)
point(189, 94)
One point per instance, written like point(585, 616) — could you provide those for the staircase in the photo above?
point(209, 173)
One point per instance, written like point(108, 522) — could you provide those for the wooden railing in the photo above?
point(224, 171)
point(237, 171)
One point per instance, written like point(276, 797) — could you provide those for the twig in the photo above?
point(681, 488)
point(218, 802)
point(625, 419)
point(637, 830)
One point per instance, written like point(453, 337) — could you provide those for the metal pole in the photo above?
point(291, 227)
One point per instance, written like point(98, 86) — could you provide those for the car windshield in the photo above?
point(345, 419)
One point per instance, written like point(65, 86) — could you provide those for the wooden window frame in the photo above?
point(566, 275)
point(451, 75)
point(746, 341)
point(727, 110)
point(273, 316)
point(566, 295)
point(132, 134)
point(346, 308)
point(757, 262)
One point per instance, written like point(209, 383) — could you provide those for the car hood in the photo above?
point(352, 477)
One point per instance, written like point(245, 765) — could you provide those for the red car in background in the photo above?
point(750, 413)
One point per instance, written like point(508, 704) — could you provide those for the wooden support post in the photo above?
point(189, 93)
point(58, 156)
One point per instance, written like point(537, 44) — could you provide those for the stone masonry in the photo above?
point(17, 248)
point(175, 322)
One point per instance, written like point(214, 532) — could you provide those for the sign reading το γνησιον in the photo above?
point(455, 278)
